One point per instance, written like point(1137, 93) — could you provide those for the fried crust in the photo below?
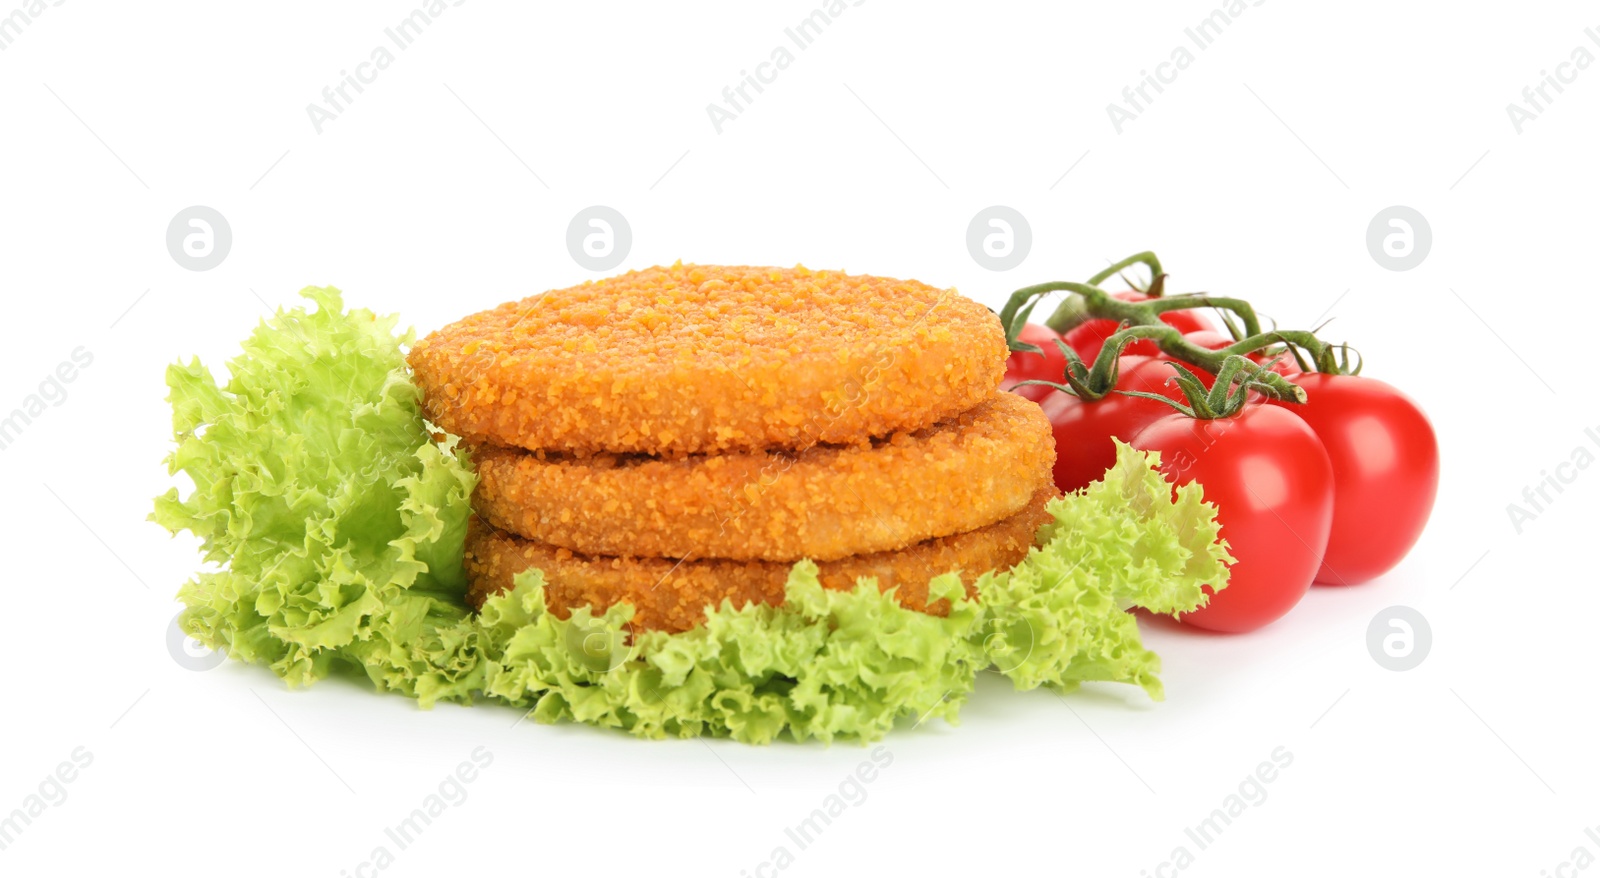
point(823, 503)
point(693, 359)
point(673, 595)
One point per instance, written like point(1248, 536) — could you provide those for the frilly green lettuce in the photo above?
point(338, 524)
point(1129, 540)
point(825, 664)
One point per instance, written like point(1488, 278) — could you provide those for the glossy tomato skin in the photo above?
point(1026, 366)
point(1084, 430)
point(1087, 339)
point(1273, 486)
point(1385, 460)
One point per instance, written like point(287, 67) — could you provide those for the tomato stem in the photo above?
point(1021, 304)
point(1142, 320)
point(1250, 323)
point(1223, 400)
point(1174, 345)
point(1148, 259)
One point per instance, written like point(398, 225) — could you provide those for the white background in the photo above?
point(1255, 174)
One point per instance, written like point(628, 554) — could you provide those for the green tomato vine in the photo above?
point(1086, 301)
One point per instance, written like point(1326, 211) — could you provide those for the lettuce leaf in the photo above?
point(337, 523)
point(829, 664)
point(826, 664)
point(335, 526)
point(1059, 618)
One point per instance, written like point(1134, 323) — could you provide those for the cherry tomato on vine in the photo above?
point(1028, 366)
point(1273, 486)
point(1087, 338)
point(1385, 461)
point(1084, 428)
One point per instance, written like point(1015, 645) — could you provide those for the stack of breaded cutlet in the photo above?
point(679, 436)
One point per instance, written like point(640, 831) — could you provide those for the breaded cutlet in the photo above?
point(672, 594)
point(698, 359)
point(823, 503)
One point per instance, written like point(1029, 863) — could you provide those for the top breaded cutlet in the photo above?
point(696, 359)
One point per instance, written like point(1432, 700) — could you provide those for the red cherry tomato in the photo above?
point(1273, 487)
point(1385, 468)
point(1087, 339)
point(1084, 430)
point(1025, 366)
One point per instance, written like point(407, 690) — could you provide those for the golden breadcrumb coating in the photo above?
point(823, 503)
point(673, 595)
point(696, 359)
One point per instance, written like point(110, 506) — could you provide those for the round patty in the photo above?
point(673, 595)
point(822, 503)
point(696, 359)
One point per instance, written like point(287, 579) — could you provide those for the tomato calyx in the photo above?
point(1082, 381)
point(1340, 359)
point(1091, 382)
point(1227, 396)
